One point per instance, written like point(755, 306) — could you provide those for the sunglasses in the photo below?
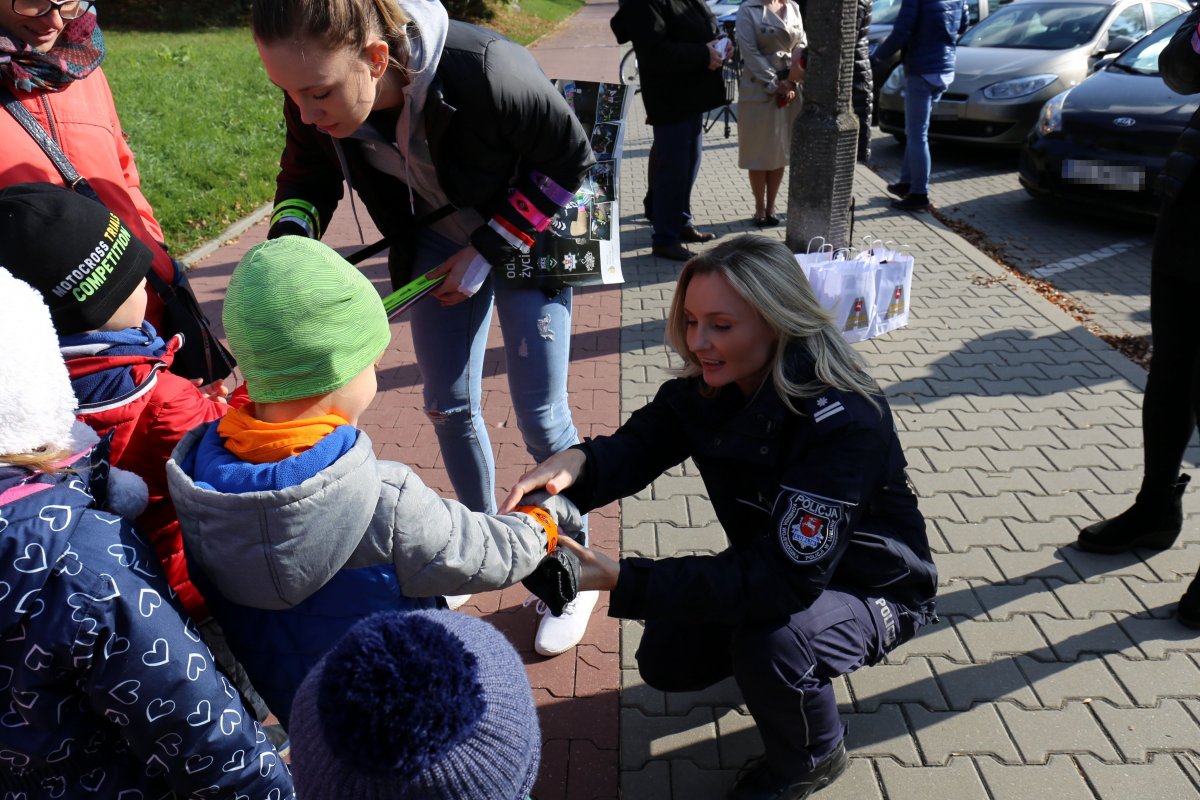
point(67, 9)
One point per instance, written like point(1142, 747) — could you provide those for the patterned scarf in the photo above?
point(78, 51)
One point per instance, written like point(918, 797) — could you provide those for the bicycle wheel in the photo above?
point(629, 69)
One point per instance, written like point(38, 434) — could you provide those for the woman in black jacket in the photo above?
point(463, 153)
point(1171, 406)
point(828, 566)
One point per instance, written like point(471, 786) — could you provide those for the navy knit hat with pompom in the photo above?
point(432, 705)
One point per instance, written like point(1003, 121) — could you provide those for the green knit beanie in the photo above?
point(301, 320)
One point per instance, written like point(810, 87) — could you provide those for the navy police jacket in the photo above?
point(807, 500)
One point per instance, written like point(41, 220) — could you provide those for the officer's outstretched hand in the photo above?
point(554, 474)
point(596, 570)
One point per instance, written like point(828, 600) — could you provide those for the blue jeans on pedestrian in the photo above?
point(919, 97)
point(450, 344)
point(677, 148)
point(784, 667)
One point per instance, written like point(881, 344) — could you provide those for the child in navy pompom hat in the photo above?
point(426, 704)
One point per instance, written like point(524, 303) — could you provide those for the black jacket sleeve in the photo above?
point(822, 495)
point(1179, 62)
point(656, 49)
point(310, 181)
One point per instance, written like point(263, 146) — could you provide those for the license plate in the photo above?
point(1118, 177)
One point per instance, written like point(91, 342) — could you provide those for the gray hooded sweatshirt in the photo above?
point(273, 549)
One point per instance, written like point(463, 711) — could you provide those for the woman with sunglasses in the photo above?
point(50, 56)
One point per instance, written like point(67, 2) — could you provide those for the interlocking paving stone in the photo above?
point(691, 737)
point(986, 640)
point(966, 685)
point(943, 734)
point(1151, 680)
point(1070, 729)
point(1059, 776)
point(1164, 777)
point(1056, 682)
point(960, 779)
point(883, 732)
point(910, 681)
point(1139, 731)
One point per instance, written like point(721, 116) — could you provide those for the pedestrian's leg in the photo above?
point(450, 343)
point(786, 669)
point(774, 179)
point(651, 168)
point(758, 187)
point(671, 187)
point(537, 351)
point(918, 105)
point(695, 150)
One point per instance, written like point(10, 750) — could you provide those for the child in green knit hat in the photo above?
point(294, 530)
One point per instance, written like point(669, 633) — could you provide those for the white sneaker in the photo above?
point(457, 601)
point(559, 634)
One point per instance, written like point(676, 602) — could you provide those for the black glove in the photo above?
point(555, 580)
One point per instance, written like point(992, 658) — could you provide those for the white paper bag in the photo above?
point(893, 290)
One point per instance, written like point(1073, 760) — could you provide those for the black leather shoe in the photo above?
point(1189, 605)
point(757, 782)
point(675, 252)
point(913, 202)
point(1154, 521)
point(693, 236)
point(899, 189)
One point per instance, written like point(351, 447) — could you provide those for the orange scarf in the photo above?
point(259, 442)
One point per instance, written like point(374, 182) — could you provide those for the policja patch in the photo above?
point(808, 527)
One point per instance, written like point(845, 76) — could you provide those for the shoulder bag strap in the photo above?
point(21, 114)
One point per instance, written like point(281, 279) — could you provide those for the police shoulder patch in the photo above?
point(809, 526)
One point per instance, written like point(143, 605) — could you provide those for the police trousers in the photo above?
point(784, 667)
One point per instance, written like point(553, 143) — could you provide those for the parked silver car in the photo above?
point(1020, 56)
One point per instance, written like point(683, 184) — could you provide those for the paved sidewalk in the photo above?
point(1052, 670)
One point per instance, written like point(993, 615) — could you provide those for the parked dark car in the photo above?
point(1103, 142)
point(1022, 55)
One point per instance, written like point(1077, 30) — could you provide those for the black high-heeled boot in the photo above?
point(1189, 605)
point(1154, 521)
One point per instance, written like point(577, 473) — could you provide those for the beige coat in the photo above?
point(766, 42)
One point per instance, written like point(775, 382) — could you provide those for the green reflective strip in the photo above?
point(303, 209)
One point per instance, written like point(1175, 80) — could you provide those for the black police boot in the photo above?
point(1154, 521)
point(757, 782)
point(1189, 605)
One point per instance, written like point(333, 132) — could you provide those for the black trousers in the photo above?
point(1171, 406)
point(784, 667)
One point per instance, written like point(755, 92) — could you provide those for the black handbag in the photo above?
point(202, 355)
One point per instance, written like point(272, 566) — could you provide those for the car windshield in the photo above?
point(884, 11)
point(1142, 58)
point(1038, 26)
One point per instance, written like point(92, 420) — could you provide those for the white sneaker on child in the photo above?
point(457, 601)
point(559, 634)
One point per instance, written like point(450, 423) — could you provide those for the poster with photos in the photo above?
point(582, 245)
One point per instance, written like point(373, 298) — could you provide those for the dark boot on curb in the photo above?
point(1189, 605)
point(757, 782)
point(913, 202)
point(899, 189)
point(1154, 521)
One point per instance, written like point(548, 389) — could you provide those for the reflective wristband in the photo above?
point(300, 210)
point(547, 522)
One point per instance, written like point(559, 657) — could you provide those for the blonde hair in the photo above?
point(337, 23)
point(41, 460)
point(768, 277)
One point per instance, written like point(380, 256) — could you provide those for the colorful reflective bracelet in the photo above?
point(547, 521)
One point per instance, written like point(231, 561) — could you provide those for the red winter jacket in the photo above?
point(147, 424)
point(82, 119)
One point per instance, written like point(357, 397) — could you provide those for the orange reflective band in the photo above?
point(547, 521)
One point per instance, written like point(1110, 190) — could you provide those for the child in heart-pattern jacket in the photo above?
point(106, 688)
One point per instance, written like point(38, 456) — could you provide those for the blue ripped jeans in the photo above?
point(450, 344)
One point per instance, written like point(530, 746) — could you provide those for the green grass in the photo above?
point(204, 122)
point(207, 127)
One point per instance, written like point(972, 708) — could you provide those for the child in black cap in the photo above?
point(91, 271)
